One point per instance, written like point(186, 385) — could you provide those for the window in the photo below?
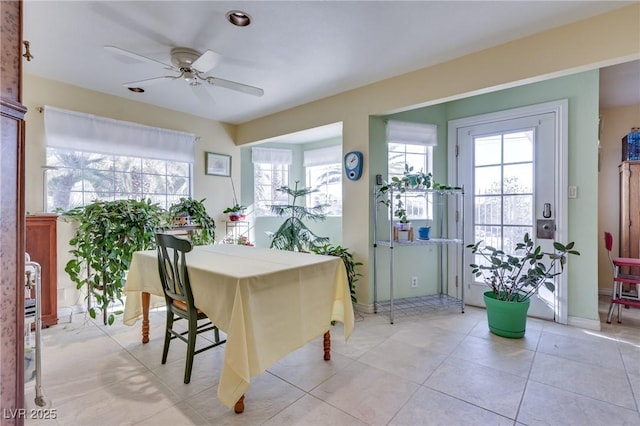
point(412, 144)
point(270, 172)
point(97, 158)
point(324, 172)
point(503, 188)
point(420, 158)
point(327, 180)
point(77, 178)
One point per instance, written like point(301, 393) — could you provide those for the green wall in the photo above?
point(331, 227)
point(582, 92)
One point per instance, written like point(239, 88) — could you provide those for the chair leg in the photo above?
point(167, 336)
point(191, 347)
point(610, 314)
point(619, 314)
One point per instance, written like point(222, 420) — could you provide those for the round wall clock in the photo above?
point(353, 165)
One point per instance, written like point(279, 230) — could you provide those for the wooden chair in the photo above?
point(174, 276)
point(626, 288)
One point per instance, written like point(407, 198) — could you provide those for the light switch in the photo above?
point(573, 192)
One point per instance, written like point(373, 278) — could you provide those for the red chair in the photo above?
point(626, 288)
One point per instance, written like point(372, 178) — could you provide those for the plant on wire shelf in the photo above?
point(197, 213)
point(294, 234)
point(107, 235)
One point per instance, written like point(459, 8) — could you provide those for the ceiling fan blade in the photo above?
point(251, 90)
point(149, 81)
point(202, 94)
point(123, 52)
point(206, 61)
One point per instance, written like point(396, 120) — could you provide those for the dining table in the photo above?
point(268, 302)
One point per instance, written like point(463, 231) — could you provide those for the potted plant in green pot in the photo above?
point(513, 279)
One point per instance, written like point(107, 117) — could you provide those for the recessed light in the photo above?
point(136, 89)
point(238, 18)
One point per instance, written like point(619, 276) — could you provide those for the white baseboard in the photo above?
point(584, 323)
point(65, 313)
point(365, 309)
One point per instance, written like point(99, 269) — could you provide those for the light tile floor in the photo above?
point(438, 368)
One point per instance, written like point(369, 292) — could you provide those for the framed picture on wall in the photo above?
point(217, 164)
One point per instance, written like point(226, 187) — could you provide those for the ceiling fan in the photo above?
point(190, 66)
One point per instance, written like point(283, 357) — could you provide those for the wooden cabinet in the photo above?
point(630, 212)
point(41, 246)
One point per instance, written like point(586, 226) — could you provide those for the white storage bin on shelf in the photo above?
point(450, 235)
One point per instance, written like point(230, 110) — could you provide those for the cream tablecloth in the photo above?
point(268, 302)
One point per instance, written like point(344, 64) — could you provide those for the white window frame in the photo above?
point(324, 160)
point(82, 191)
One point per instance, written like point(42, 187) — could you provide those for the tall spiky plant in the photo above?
point(293, 234)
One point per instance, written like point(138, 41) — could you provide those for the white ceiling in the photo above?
point(297, 51)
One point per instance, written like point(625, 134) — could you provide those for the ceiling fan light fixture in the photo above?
point(238, 18)
point(188, 76)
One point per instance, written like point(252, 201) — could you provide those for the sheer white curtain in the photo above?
point(85, 132)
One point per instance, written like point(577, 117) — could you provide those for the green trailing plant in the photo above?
point(401, 213)
point(293, 234)
point(350, 264)
point(197, 213)
point(102, 247)
point(517, 277)
point(400, 184)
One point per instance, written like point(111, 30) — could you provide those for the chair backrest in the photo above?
point(608, 241)
point(172, 267)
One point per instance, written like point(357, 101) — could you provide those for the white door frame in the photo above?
point(561, 110)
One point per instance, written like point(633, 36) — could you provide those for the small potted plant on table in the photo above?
point(514, 279)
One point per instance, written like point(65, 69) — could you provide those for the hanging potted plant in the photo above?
point(235, 212)
point(513, 279)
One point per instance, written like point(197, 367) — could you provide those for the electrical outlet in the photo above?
point(414, 281)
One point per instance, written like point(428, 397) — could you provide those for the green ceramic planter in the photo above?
point(506, 319)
